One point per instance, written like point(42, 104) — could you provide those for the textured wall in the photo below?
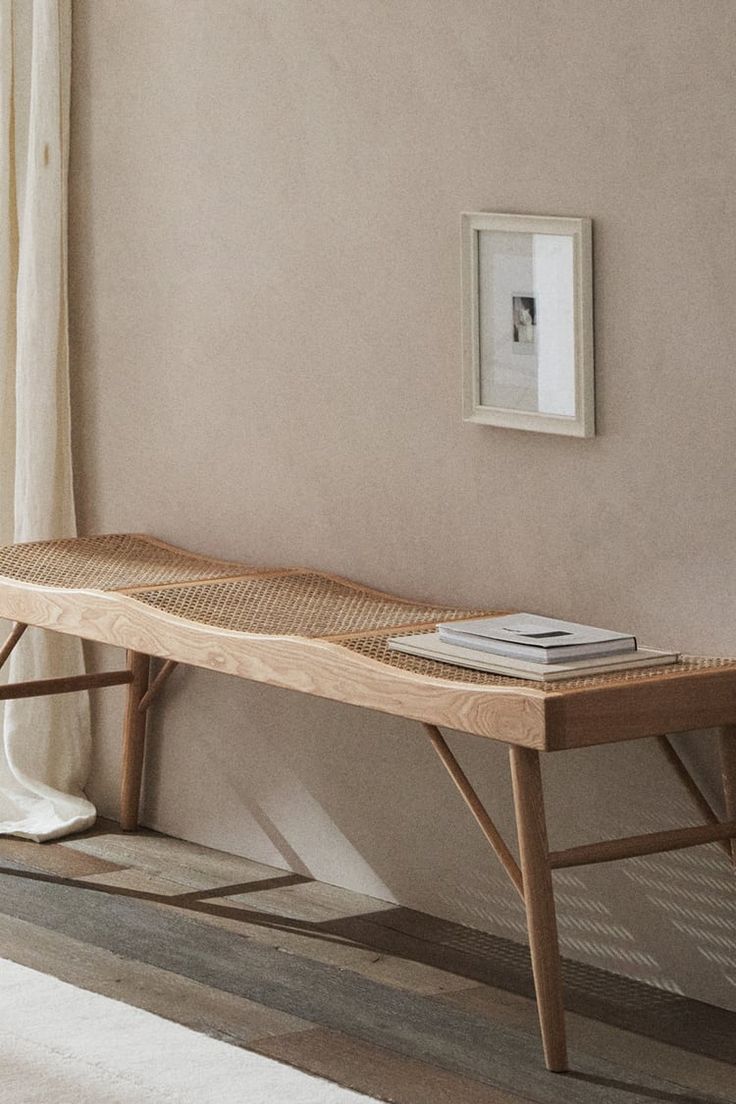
point(265, 324)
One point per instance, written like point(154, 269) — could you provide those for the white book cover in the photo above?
point(533, 630)
point(430, 646)
point(529, 636)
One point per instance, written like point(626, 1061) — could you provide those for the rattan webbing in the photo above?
point(108, 562)
point(282, 603)
point(375, 647)
point(292, 603)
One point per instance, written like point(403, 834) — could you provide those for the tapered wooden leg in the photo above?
point(727, 740)
point(134, 739)
point(540, 904)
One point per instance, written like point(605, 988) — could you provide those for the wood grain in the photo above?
point(653, 843)
point(540, 904)
point(612, 998)
point(10, 643)
point(198, 1006)
point(680, 767)
point(134, 738)
point(377, 1071)
point(669, 701)
point(157, 685)
point(508, 713)
point(482, 819)
point(192, 865)
point(396, 946)
point(314, 902)
point(530, 719)
point(171, 876)
point(54, 858)
point(629, 1050)
point(39, 688)
point(405, 1023)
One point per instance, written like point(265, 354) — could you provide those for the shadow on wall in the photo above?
point(358, 800)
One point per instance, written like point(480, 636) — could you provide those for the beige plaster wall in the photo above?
point(265, 347)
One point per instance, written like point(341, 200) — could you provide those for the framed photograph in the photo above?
point(528, 323)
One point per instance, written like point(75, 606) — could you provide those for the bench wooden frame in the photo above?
point(530, 719)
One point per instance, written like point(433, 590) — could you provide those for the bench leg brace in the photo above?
point(727, 743)
point(9, 646)
point(681, 769)
point(471, 799)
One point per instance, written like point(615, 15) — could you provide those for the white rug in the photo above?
point(62, 1045)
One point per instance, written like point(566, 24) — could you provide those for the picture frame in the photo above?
point(528, 322)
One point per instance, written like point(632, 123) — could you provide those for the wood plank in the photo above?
point(196, 867)
point(598, 994)
point(102, 826)
point(629, 1050)
point(315, 942)
point(406, 934)
point(401, 971)
point(53, 858)
point(378, 1072)
point(234, 1019)
point(313, 901)
point(416, 1027)
point(138, 882)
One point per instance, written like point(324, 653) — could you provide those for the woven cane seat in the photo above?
point(294, 603)
point(160, 599)
point(110, 562)
point(375, 647)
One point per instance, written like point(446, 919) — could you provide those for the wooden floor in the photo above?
point(387, 1001)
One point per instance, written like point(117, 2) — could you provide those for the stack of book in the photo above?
point(528, 646)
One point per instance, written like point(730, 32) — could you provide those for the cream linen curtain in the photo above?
point(46, 741)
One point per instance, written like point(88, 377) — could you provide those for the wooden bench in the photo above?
point(314, 632)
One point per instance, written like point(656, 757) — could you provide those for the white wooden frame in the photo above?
point(582, 424)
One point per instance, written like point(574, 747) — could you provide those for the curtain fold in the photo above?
point(45, 753)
